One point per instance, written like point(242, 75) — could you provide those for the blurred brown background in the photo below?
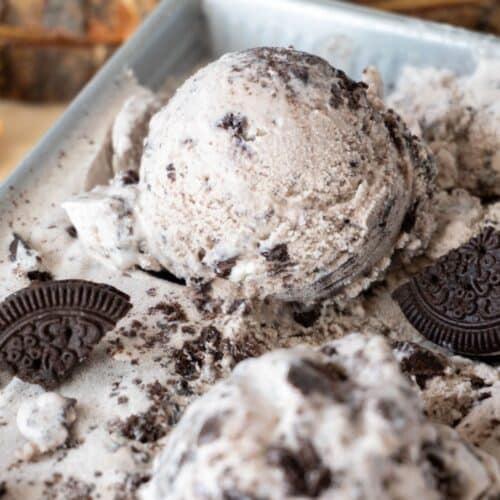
point(50, 48)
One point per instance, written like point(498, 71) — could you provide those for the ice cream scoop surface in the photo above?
point(272, 169)
point(338, 424)
point(459, 117)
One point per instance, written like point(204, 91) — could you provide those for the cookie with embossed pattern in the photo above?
point(50, 327)
point(455, 302)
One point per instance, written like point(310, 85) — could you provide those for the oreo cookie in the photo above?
point(50, 327)
point(455, 302)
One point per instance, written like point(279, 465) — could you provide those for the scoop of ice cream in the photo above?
point(130, 128)
point(122, 147)
point(459, 116)
point(342, 422)
point(272, 169)
point(45, 422)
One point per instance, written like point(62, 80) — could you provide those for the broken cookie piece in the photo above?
point(50, 327)
point(455, 302)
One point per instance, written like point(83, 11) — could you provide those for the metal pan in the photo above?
point(180, 33)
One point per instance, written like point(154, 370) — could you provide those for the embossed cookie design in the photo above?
point(456, 301)
point(50, 327)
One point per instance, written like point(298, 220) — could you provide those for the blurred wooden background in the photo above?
point(479, 15)
point(50, 48)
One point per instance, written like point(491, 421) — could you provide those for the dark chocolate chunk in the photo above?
point(50, 327)
point(190, 358)
point(410, 218)
point(477, 382)
point(303, 469)
point(392, 124)
point(326, 379)
point(456, 301)
point(279, 253)
point(130, 177)
point(39, 276)
point(143, 427)
point(223, 268)
point(171, 172)
point(302, 73)
point(419, 362)
point(165, 275)
point(71, 230)
point(307, 318)
point(3, 489)
point(449, 484)
point(236, 123)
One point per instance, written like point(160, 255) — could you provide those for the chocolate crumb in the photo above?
point(172, 311)
point(130, 177)
point(171, 172)
point(308, 317)
point(223, 268)
point(484, 395)
point(420, 363)
point(39, 276)
point(71, 230)
point(165, 275)
point(278, 253)
point(304, 471)
point(311, 377)
point(477, 382)
point(235, 122)
point(448, 483)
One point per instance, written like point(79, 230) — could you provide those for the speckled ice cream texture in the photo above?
point(273, 169)
point(338, 423)
point(459, 116)
point(45, 422)
point(130, 129)
point(176, 343)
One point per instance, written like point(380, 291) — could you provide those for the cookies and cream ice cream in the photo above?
point(459, 117)
point(140, 391)
point(272, 169)
point(342, 422)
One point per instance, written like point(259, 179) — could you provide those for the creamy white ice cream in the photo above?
point(45, 421)
point(272, 169)
point(459, 116)
point(130, 128)
point(342, 423)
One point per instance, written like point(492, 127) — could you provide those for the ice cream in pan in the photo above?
point(273, 170)
point(296, 207)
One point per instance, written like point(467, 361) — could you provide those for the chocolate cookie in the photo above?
point(456, 301)
point(50, 327)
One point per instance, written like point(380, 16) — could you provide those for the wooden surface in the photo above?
point(21, 126)
point(479, 15)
